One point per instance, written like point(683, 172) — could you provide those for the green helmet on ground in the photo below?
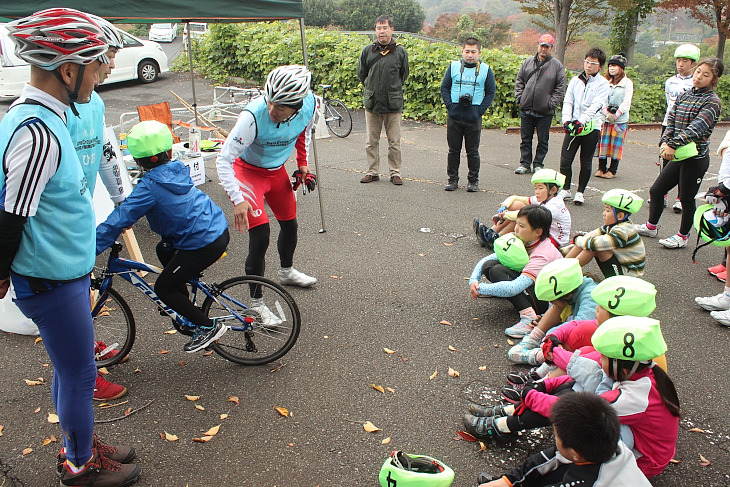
point(625, 295)
point(404, 470)
point(688, 51)
point(548, 176)
point(148, 139)
point(623, 200)
point(511, 252)
point(718, 236)
point(630, 338)
point(557, 279)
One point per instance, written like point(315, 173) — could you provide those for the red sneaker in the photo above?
point(107, 391)
point(721, 276)
point(100, 346)
point(716, 269)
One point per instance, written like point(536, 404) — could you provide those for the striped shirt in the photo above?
point(692, 119)
point(623, 241)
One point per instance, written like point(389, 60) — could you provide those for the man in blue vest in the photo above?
point(467, 89)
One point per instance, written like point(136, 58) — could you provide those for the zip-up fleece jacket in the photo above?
point(692, 119)
point(383, 83)
point(584, 99)
point(544, 90)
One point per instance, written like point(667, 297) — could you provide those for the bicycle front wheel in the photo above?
point(114, 329)
point(338, 118)
point(264, 333)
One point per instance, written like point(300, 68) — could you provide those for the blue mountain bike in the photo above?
point(250, 339)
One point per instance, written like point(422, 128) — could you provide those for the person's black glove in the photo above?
point(577, 127)
point(548, 344)
point(309, 180)
point(568, 127)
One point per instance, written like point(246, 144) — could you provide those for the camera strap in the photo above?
point(461, 77)
point(539, 65)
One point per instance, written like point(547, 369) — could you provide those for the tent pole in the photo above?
point(304, 42)
point(192, 73)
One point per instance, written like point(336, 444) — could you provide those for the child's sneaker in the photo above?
point(677, 206)
point(481, 427)
point(293, 277)
point(521, 378)
point(674, 242)
point(513, 394)
point(564, 193)
point(101, 471)
point(645, 231)
point(204, 336)
point(486, 411)
point(102, 352)
point(521, 355)
point(107, 391)
point(520, 329)
point(721, 276)
point(716, 269)
point(579, 199)
point(722, 317)
point(720, 302)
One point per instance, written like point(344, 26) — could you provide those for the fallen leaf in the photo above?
point(33, 382)
point(703, 461)
point(213, 431)
point(385, 441)
point(234, 399)
point(48, 441)
point(223, 416)
point(453, 349)
point(446, 244)
point(325, 337)
point(422, 255)
point(370, 427)
point(697, 430)
point(103, 371)
point(199, 407)
point(463, 435)
point(290, 444)
point(390, 389)
point(137, 371)
point(433, 376)
point(208, 354)
point(52, 438)
point(1, 429)
point(283, 411)
point(475, 319)
point(37, 410)
point(170, 437)
point(170, 332)
point(163, 352)
point(444, 322)
point(378, 388)
point(336, 277)
point(510, 342)
point(387, 350)
point(453, 373)
point(182, 363)
point(129, 410)
point(45, 365)
point(496, 345)
point(204, 439)
point(192, 398)
point(483, 367)
point(37, 340)
point(674, 460)
point(27, 451)
point(482, 446)
point(52, 418)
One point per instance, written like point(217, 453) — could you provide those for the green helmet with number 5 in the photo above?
point(511, 252)
point(630, 338)
point(623, 200)
point(558, 279)
point(625, 295)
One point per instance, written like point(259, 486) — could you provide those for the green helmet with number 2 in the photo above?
point(630, 338)
point(557, 279)
point(625, 295)
point(404, 470)
point(511, 252)
point(623, 200)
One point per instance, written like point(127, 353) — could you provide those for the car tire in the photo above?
point(147, 71)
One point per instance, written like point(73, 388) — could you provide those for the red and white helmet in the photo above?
point(54, 36)
point(287, 85)
point(113, 37)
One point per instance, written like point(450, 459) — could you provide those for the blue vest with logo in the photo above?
point(87, 134)
point(274, 142)
point(58, 241)
point(469, 81)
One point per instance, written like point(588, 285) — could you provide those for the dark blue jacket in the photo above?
point(471, 113)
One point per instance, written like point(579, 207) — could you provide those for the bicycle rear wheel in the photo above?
point(254, 341)
point(338, 118)
point(113, 326)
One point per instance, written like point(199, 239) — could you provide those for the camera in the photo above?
point(465, 100)
point(612, 108)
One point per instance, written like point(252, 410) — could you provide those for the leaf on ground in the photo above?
point(37, 340)
point(447, 244)
point(496, 345)
point(444, 322)
point(192, 398)
point(48, 441)
point(223, 416)
point(475, 319)
point(137, 371)
point(208, 354)
point(463, 435)
point(370, 427)
point(1, 429)
point(290, 444)
point(482, 446)
point(170, 437)
point(169, 332)
point(213, 431)
point(234, 399)
point(163, 352)
point(385, 441)
point(433, 376)
point(182, 363)
point(422, 255)
point(204, 439)
point(453, 372)
point(697, 430)
point(510, 342)
point(482, 367)
point(283, 411)
point(390, 389)
point(33, 382)
point(199, 407)
point(452, 349)
point(336, 277)
point(27, 451)
point(37, 410)
point(674, 460)
point(53, 418)
point(377, 388)
point(387, 350)
point(704, 462)
point(103, 371)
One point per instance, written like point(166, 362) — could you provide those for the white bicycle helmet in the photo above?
point(113, 37)
point(287, 85)
point(55, 36)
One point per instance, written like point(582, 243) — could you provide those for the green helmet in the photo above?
point(149, 138)
point(625, 295)
point(511, 252)
point(557, 279)
point(548, 176)
point(630, 338)
point(688, 51)
point(623, 200)
point(719, 236)
point(404, 470)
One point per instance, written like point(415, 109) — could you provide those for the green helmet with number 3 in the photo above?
point(623, 200)
point(511, 252)
point(630, 338)
point(625, 295)
point(405, 470)
point(548, 176)
point(557, 279)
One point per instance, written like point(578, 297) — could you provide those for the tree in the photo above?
point(320, 13)
point(567, 18)
point(455, 27)
point(710, 12)
point(408, 15)
point(626, 23)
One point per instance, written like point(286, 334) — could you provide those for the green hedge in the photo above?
point(249, 51)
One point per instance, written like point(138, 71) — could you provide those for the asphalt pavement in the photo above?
point(392, 266)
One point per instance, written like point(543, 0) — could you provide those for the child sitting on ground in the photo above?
point(616, 246)
point(532, 228)
point(587, 450)
point(194, 230)
point(547, 184)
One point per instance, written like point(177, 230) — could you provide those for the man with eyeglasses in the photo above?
point(539, 89)
point(584, 98)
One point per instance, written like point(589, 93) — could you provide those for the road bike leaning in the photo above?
point(336, 115)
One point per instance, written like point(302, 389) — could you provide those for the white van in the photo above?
point(143, 60)
point(197, 30)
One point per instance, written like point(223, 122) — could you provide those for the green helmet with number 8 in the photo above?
point(625, 295)
point(405, 470)
point(511, 252)
point(548, 176)
point(630, 338)
point(557, 279)
point(623, 200)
